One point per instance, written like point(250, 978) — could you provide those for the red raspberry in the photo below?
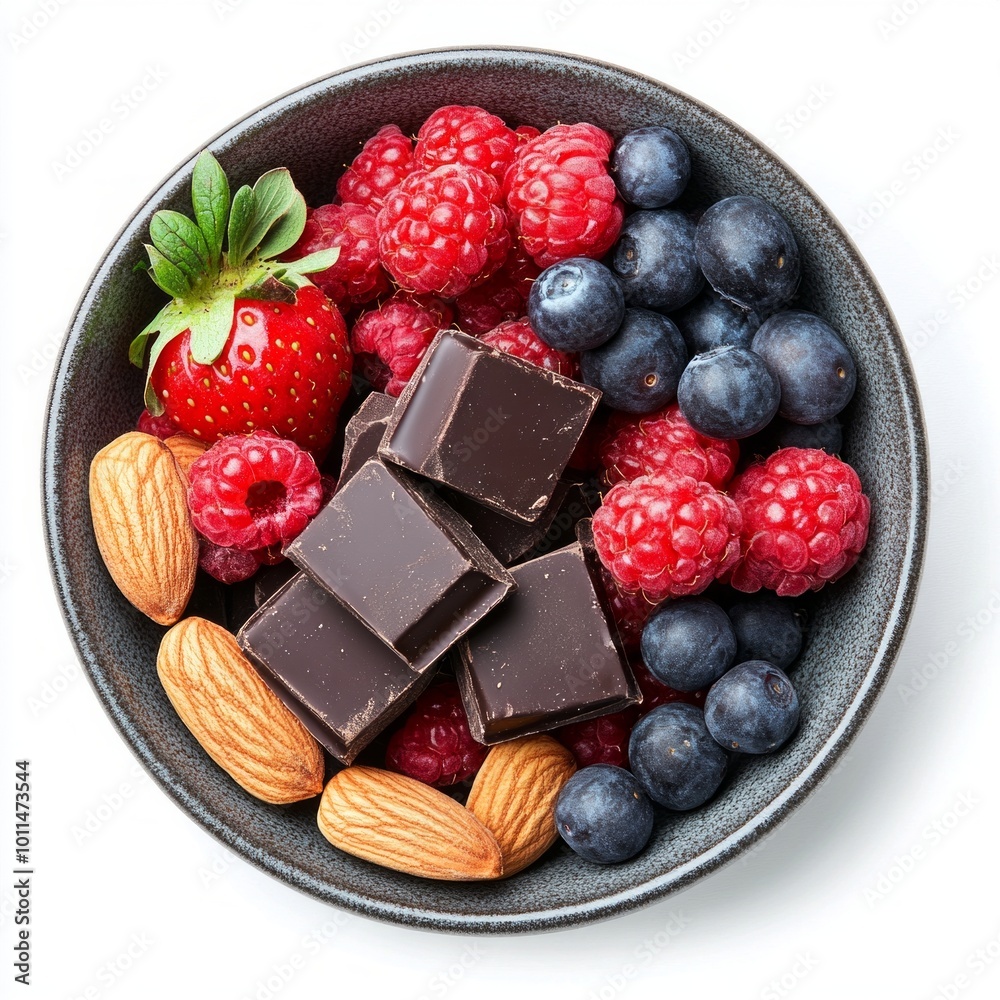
point(630, 611)
point(225, 564)
point(526, 132)
point(502, 297)
point(517, 338)
point(385, 159)
point(661, 442)
point(805, 522)
point(599, 741)
point(443, 230)
point(161, 426)
point(466, 134)
point(434, 744)
point(250, 492)
point(357, 277)
point(666, 535)
point(388, 342)
point(560, 193)
point(655, 693)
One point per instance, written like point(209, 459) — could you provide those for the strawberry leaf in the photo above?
point(240, 219)
point(318, 261)
point(167, 275)
point(181, 242)
point(274, 194)
point(210, 199)
point(210, 326)
point(285, 231)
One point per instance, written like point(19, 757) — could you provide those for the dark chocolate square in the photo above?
point(546, 657)
point(493, 427)
point(342, 682)
point(403, 561)
point(364, 432)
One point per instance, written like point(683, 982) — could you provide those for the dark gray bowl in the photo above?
point(857, 625)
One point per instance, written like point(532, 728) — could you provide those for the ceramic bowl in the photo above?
point(856, 626)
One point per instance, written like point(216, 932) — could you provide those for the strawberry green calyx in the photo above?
point(203, 280)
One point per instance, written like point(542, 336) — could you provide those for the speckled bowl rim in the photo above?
point(677, 878)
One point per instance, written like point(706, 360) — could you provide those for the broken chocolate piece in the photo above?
point(546, 657)
point(491, 426)
point(400, 559)
point(342, 683)
point(364, 433)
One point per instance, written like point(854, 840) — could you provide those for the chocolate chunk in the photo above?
point(493, 427)
point(546, 657)
point(398, 557)
point(364, 432)
point(580, 501)
point(270, 579)
point(342, 683)
point(507, 539)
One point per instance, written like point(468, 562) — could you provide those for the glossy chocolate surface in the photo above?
point(546, 657)
point(493, 427)
point(342, 682)
point(402, 561)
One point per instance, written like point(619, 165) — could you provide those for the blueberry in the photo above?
point(712, 321)
point(603, 814)
point(728, 393)
point(813, 365)
point(638, 369)
point(752, 707)
point(689, 643)
point(748, 253)
point(655, 261)
point(674, 757)
point(651, 166)
point(576, 304)
point(767, 628)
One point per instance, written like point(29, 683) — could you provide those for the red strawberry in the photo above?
point(247, 342)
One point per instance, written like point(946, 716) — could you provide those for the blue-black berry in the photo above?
point(748, 253)
point(651, 166)
point(813, 365)
point(576, 304)
point(603, 813)
point(639, 368)
point(752, 708)
point(655, 262)
point(674, 757)
point(688, 643)
point(711, 321)
point(767, 628)
point(728, 393)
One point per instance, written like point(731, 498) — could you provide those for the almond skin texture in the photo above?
point(186, 450)
point(401, 823)
point(239, 721)
point(514, 796)
point(138, 502)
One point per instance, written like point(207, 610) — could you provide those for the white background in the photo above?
point(885, 881)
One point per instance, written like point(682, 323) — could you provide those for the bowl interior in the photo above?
point(314, 132)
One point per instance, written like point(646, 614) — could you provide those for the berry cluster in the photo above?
point(715, 447)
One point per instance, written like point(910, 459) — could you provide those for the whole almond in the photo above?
point(401, 823)
point(514, 796)
point(138, 502)
point(186, 450)
point(239, 721)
